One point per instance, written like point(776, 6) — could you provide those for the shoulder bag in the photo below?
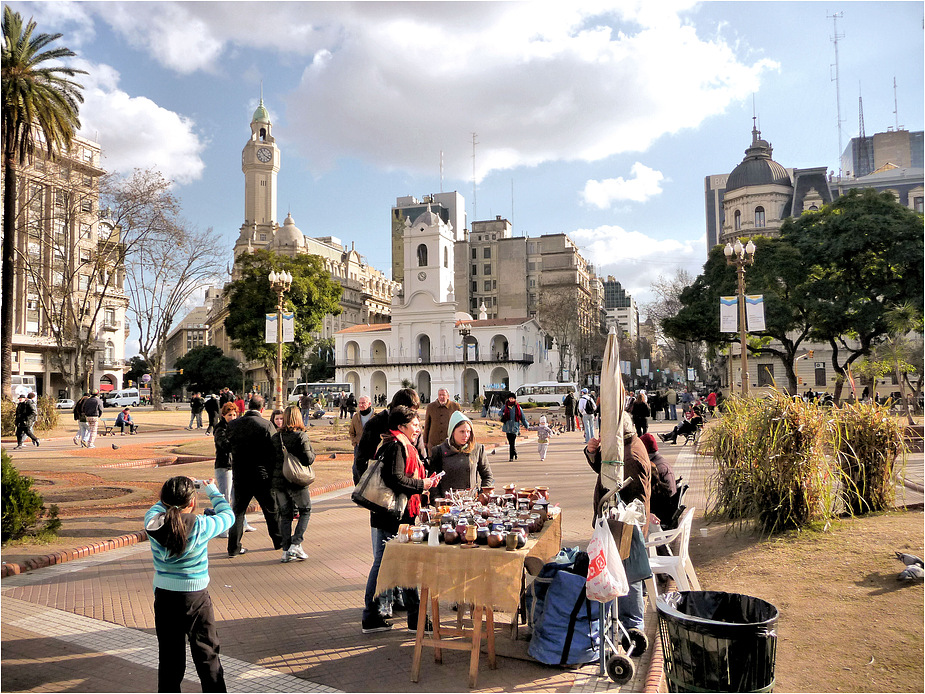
point(293, 470)
point(372, 493)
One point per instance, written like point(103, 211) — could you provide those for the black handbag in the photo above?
point(372, 492)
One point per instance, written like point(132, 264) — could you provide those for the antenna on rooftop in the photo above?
point(865, 162)
point(834, 38)
point(895, 104)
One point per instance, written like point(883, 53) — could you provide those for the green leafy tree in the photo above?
point(863, 256)
point(139, 367)
point(207, 370)
point(778, 274)
point(313, 295)
point(40, 105)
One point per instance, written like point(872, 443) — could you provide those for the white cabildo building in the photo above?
point(430, 343)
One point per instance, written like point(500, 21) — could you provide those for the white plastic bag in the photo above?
point(606, 577)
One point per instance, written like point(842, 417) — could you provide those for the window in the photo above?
point(487, 285)
point(475, 287)
point(83, 282)
point(765, 375)
point(494, 284)
point(737, 220)
point(475, 253)
point(487, 268)
point(475, 269)
point(263, 237)
point(820, 374)
point(86, 205)
point(474, 304)
point(422, 255)
point(487, 252)
point(918, 203)
point(446, 257)
point(759, 216)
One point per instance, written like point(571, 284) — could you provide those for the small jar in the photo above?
point(417, 534)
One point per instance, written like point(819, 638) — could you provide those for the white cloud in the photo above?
point(635, 259)
point(643, 184)
point(395, 83)
point(135, 132)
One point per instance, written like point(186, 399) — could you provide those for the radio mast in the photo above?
point(834, 39)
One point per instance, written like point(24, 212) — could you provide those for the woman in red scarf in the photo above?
point(403, 472)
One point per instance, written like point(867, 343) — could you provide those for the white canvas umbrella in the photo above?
point(613, 398)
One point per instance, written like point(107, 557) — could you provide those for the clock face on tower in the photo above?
point(264, 154)
point(422, 276)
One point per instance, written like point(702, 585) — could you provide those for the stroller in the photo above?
point(570, 629)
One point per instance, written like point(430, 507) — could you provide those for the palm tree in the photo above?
point(37, 99)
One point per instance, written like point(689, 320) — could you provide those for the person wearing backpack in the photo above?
point(587, 409)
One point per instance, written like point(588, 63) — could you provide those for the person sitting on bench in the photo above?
point(125, 420)
point(687, 426)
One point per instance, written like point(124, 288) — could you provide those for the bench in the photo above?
point(693, 437)
point(105, 428)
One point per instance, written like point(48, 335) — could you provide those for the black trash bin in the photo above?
point(717, 642)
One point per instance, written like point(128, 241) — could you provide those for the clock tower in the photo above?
point(428, 253)
point(260, 164)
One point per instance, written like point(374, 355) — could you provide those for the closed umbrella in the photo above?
point(613, 397)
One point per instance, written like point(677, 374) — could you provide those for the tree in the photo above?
point(680, 354)
point(40, 103)
point(206, 370)
point(167, 261)
point(778, 274)
point(313, 295)
point(863, 256)
point(138, 368)
point(557, 313)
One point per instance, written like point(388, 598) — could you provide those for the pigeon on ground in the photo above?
point(912, 572)
point(115, 447)
point(333, 456)
point(910, 559)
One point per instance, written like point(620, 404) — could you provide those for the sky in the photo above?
point(593, 118)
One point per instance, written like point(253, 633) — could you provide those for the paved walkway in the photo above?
point(87, 625)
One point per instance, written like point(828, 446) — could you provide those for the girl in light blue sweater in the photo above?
point(179, 541)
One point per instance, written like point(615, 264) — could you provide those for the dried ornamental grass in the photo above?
point(770, 463)
point(868, 443)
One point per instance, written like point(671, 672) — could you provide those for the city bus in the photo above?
point(545, 393)
point(329, 390)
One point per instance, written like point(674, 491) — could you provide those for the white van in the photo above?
point(122, 398)
point(21, 385)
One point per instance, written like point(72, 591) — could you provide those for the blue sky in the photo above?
point(597, 119)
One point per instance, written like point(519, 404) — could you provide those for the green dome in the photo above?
point(261, 115)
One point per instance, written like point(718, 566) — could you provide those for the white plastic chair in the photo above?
point(678, 566)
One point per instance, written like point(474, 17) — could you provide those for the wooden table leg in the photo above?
point(419, 639)
point(476, 645)
point(435, 610)
point(490, 636)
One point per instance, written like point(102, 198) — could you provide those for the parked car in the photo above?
point(64, 404)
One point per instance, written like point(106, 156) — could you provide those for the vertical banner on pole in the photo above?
point(271, 328)
point(754, 312)
point(691, 375)
point(288, 326)
point(728, 317)
point(644, 366)
point(470, 349)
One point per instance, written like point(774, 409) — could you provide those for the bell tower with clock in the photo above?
point(428, 252)
point(260, 164)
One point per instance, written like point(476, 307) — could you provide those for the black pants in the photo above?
point(23, 430)
point(641, 424)
point(570, 422)
point(511, 438)
point(243, 490)
point(178, 617)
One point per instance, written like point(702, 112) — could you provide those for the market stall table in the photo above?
point(487, 578)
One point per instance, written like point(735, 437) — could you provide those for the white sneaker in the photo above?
point(286, 558)
point(297, 552)
point(249, 528)
point(90, 445)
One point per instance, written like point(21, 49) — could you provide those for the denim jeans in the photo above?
point(195, 417)
point(587, 421)
point(286, 501)
point(674, 411)
point(371, 606)
point(630, 607)
point(83, 431)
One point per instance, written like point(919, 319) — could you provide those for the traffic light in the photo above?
point(181, 372)
point(810, 354)
point(129, 383)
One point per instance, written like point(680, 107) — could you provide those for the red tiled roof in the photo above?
point(366, 328)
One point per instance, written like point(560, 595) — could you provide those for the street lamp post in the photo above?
point(279, 283)
point(464, 331)
point(741, 256)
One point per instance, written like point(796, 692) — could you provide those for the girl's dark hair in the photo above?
point(407, 397)
point(401, 415)
point(176, 495)
point(273, 416)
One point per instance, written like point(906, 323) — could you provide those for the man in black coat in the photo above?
point(26, 414)
point(252, 460)
point(569, 404)
point(195, 411)
point(212, 407)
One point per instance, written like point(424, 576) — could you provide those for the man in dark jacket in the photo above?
point(212, 407)
point(93, 410)
point(26, 414)
point(81, 420)
point(195, 411)
point(253, 457)
point(569, 404)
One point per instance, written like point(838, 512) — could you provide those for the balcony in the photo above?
point(111, 325)
point(110, 363)
point(439, 360)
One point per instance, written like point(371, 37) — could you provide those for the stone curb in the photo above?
point(133, 538)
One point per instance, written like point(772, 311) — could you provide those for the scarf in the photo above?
point(413, 468)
